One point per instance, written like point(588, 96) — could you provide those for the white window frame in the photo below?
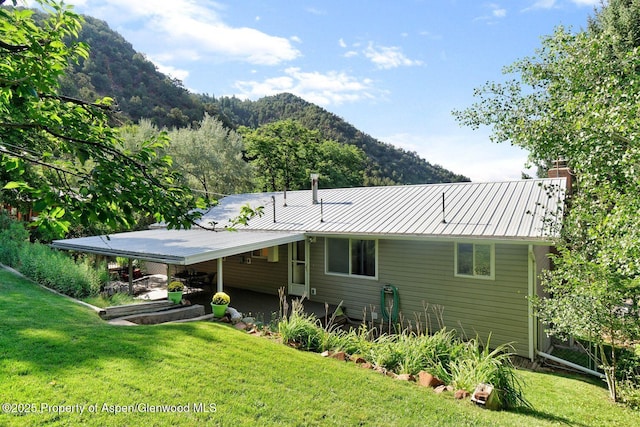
point(492, 261)
point(350, 274)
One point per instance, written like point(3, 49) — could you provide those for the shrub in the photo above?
point(384, 352)
point(302, 329)
point(354, 341)
point(478, 364)
point(58, 271)
point(13, 236)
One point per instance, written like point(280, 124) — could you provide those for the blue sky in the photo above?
point(393, 69)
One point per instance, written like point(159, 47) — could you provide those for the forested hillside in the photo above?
point(116, 70)
point(388, 164)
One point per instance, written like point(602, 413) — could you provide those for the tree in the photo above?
point(285, 153)
point(61, 153)
point(211, 158)
point(579, 100)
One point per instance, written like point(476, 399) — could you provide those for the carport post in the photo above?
point(219, 274)
point(130, 276)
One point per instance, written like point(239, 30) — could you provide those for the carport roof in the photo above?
point(178, 247)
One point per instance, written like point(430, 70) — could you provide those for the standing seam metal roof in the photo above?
point(522, 209)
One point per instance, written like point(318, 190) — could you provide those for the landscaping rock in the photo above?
point(461, 394)
point(241, 326)
point(366, 365)
point(326, 353)
point(340, 355)
point(405, 377)
point(357, 359)
point(426, 379)
point(442, 389)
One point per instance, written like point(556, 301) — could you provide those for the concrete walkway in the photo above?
point(261, 306)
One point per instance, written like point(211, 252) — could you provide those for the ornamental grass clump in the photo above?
point(220, 298)
point(480, 365)
point(302, 330)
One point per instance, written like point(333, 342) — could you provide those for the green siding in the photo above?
point(423, 272)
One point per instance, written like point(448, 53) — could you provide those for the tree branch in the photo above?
point(12, 48)
point(41, 163)
point(78, 102)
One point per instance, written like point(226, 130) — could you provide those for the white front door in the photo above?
point(298, 271)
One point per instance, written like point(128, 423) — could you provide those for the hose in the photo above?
point(395, 308)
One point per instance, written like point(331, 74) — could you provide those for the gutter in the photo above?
point(572, 365)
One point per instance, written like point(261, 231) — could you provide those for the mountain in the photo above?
point(116, 70)
point(388, 164)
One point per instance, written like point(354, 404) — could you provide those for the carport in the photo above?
point(179, 247)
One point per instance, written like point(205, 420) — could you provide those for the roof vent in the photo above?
point(314, 188)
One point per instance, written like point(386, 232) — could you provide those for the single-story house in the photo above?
point(474, 249)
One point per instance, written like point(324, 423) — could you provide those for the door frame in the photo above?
point(298, 289)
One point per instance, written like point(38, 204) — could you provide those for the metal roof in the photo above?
point(525, 211)
point(510, 210)
point(181, 247)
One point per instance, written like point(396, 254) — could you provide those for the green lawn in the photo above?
point(54, 352)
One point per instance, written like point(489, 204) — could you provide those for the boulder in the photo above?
point(357, 359)
point(426, 379)
point(340, 355)
point(461, 394)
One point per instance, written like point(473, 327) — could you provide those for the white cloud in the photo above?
point(586, 2)
point(543, 4)
point(171, 71)
point(499, 13)
point(193, 25)
point(331, 88)
point(342, 43)
point(314, 11)
point(552, 4)
point(387, 57)
point(496, 12)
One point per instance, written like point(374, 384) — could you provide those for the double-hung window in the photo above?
point(353, 257)
point(475, 260)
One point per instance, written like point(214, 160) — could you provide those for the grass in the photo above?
point(55, 352)
point(115, 299)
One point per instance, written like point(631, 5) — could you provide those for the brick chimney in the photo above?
point(561, 170)
point(314, 188)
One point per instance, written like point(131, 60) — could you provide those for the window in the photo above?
point(260, 253)
point(351, 257)
point(474, 260)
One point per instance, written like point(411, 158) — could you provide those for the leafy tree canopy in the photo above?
point(61, 153)
point(209, 155)
point(285, 153)
point(578, 100)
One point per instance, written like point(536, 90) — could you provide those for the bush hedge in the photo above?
point(48, 267)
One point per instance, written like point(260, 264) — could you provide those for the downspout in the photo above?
point(531, 295)
point(571, 365)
